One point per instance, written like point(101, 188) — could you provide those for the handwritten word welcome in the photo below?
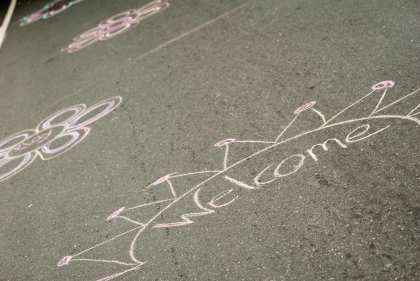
point(356, 135)
point(286, 167)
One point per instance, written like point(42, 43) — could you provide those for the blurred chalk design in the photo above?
point(115, 25)
point(49, 10)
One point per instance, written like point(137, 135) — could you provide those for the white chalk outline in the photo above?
point(69, 128)
point(186, 218)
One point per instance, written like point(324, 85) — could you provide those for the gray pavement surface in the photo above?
point(210, 140)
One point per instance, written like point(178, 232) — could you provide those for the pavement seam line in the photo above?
point(197, 28)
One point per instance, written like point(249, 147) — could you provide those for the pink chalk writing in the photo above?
point(22, 145)
point(37, 139)
point(41, 137)
point(218, 197)
point(11, 139)
point(238, 183)
point(186, 217)
point(175, 191)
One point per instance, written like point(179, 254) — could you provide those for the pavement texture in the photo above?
point(210, 140)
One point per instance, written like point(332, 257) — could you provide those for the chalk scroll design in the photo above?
point(53, 136)
point(225, 198)
point(115, 25)
point(49, 10)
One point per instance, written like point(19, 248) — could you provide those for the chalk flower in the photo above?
point(53, 136)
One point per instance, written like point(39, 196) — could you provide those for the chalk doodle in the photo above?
point(48, 11)
point(52, 137)
point(287, 167)
point(115, 25)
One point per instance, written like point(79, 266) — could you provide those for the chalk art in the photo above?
point(53, 136)
point(49, 10)
point(286, 167)
point(115, 25)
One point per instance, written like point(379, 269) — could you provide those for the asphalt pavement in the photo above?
point(210, 140)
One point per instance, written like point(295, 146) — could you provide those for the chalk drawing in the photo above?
point(52, 137)
point(115, 25)
point(285, 168)
point(49, 10)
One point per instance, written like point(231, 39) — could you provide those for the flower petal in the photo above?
point(83, 40)
point(46, 123)
point(9, 143)
point(110, 104)
point(76, 136)
point(12, 166)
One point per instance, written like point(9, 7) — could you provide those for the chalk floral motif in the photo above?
point(115, 25)
point(49, 10)
point(53, 136)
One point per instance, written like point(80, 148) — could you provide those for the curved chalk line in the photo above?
point(186, 217)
